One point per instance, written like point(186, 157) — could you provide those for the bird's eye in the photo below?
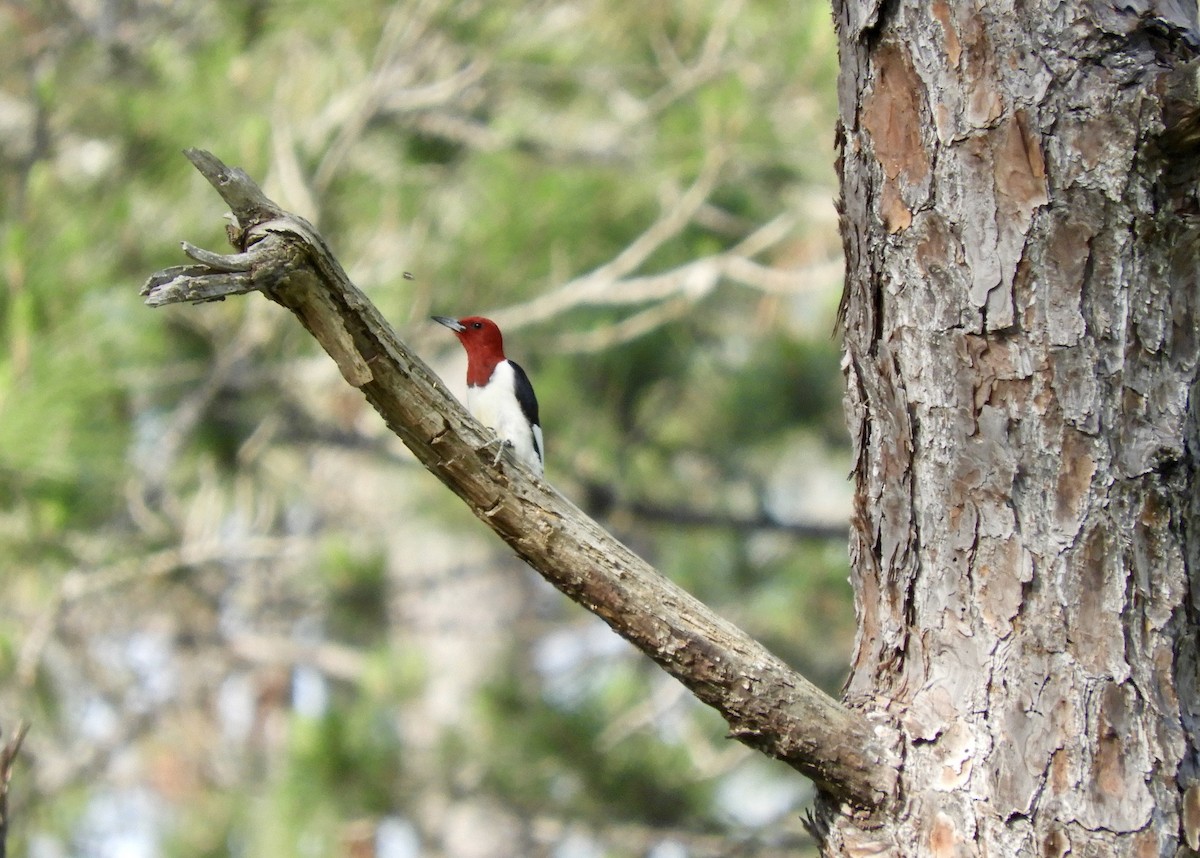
point(477, 325)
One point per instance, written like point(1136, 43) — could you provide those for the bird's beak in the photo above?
point(452, 324)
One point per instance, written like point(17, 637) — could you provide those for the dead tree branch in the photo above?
point(768, 705)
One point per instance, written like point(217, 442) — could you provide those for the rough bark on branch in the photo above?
point(768, 705)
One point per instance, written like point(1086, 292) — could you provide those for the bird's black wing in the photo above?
point(527, 399)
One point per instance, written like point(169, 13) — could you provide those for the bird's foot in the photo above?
point(499, 443)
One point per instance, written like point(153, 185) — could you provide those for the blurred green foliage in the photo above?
point(187, 498)
point(553, 758)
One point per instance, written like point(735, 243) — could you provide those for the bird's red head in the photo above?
point(484, 344)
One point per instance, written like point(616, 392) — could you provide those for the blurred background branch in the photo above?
point(8, 756)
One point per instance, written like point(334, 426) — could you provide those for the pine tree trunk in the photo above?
point(1021, 346)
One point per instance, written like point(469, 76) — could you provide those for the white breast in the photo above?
point(495, 406)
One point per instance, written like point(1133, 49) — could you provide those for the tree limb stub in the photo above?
point(768, 706)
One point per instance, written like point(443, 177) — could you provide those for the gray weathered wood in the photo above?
point(768, 705)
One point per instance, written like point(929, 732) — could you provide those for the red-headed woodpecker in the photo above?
point(499, 394)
